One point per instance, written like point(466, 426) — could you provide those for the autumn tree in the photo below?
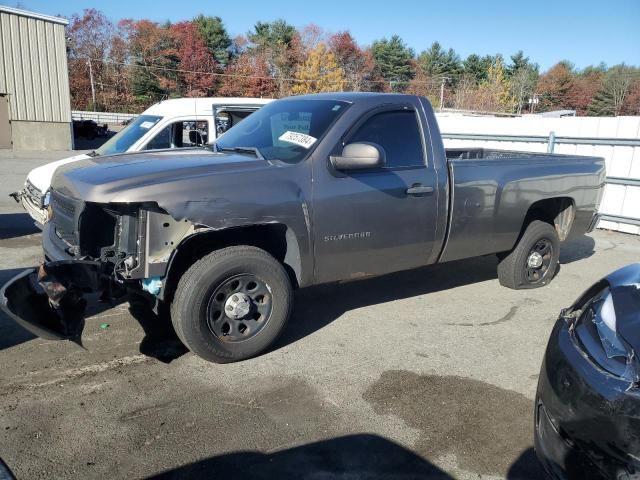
point(357, 64)
point(215, 37)
point(281, 45)
point(320, 72)
point(196, 65)
point(154, 59)
point(423, 85)
point(248, 75)
point(120, 95)
point(89, 39)
point(393, 61)
point(465, 95)
point(523, 77)
point(554, 87)
point(631, 105)
point(311, 36)
point(523, 83)
point(617, 82)
point(585, 86)
point(495, 91)
point(138, 62)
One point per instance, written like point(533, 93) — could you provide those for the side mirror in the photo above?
point(358, 156)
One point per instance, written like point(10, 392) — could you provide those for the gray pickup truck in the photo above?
point(308, 190)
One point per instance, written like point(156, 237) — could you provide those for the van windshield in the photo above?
point(285, 130)
point(122, 141)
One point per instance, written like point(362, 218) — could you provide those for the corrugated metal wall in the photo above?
point(33, 68)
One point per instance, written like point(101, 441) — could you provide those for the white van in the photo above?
point(176, 123)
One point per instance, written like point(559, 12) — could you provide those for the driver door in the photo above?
point(371, 222)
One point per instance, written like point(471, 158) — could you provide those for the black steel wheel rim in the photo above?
point(229, 325)
point(544, 248)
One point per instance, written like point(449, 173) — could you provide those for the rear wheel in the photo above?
point(534, 260)
point(232, 304)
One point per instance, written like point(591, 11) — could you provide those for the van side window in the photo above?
point(397, 132)
point(184, 134)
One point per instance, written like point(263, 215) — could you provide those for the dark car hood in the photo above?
point(625, 293)
point(140, 177)
point(624, 285)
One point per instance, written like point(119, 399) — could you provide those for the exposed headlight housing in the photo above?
point(596, 330)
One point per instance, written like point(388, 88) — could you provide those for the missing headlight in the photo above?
point(596, 330)
point(97, 230)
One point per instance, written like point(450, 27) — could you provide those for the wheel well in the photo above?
point(558, 212)
point(276, 239)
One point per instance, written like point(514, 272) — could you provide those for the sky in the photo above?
point(586, 32)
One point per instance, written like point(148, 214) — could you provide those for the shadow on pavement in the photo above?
point(16, 225)
point(316, 307)
point(526, 467)
point(363, 456)
point(577, 249)
point(160, 340)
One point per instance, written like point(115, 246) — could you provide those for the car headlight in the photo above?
point(46, 199)
point(596, 329)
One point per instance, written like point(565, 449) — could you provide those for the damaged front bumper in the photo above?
point(31, 200)
point(49, 301)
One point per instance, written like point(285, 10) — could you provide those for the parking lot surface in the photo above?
point(422, 374)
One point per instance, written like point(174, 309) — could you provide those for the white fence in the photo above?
point(617, 139)
point(102, 117)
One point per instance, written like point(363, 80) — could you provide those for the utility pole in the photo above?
point(93, 90)
point(533, 101)
point(444, 79)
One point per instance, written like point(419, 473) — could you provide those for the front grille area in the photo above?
point(35, 195)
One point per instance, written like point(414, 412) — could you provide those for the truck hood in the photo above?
point(40, 177)
point(151, 177)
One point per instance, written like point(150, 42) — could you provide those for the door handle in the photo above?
point(419, 189)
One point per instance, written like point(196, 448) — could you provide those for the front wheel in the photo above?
point(232, 304)
point(534, 260)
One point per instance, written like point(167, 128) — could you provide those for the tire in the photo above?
point(207, 292)
point(518, 269)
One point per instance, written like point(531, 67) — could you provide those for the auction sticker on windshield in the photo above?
point(301, 139)
point(147, 125)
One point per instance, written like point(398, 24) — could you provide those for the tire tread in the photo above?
point(510, 264)
point(190, 281)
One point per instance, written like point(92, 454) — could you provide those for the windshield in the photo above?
point(285, 130)
point(122, 141)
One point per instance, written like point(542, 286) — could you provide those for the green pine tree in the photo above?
point(394, 62)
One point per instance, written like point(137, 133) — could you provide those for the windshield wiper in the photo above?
point(252, 150)
point(93, 153)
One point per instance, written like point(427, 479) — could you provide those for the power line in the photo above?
point(433, 81)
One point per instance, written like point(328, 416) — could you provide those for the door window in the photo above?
point(397, 132)
point(184, 134)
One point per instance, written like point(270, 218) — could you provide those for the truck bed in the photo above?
point(493, 191)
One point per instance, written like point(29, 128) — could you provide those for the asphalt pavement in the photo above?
point(422, 374)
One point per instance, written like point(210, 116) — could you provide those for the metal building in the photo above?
point(35, 104)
